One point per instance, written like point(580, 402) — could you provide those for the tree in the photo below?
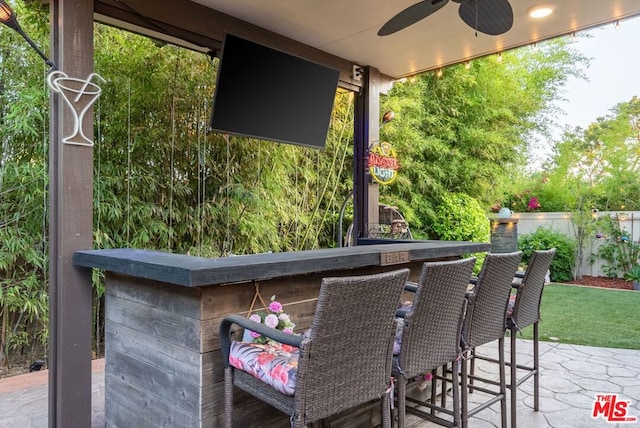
point(23, 203)
point(469, 130)
point(602, 161)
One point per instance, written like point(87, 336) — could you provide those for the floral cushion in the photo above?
point(276, 365)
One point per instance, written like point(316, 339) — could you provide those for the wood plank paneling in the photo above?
point(156, 294)
point(157, 383)
point(219, 301)
point(181, 362)
point(134, 407)
point(154, 321)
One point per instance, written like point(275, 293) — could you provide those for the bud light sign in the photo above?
point(383, 163)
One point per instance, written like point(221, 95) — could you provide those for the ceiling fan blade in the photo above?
point(410, 16)
point(491, 17)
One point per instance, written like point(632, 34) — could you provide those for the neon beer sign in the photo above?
point(383, 163)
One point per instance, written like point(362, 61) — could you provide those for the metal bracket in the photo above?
point(356, 73)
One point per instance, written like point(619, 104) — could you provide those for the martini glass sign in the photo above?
point(79, 95)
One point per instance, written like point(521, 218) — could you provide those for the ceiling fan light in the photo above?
point(541, 10)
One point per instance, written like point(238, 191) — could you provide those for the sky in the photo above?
point(613, 76)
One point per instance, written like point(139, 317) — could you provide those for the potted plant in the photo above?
point(633, 275)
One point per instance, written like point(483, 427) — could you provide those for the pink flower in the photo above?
point(284, 317)
point(287, 330)
point(255, 335)
point(255, 317)
point(533, 204)
point(275, 307)
point(271, 320)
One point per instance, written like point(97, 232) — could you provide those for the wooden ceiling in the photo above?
point(343, 33)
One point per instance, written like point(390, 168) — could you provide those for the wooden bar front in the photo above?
point(163, 361)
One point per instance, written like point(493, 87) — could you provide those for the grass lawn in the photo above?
point(589, 316)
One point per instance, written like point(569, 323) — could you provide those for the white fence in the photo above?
point(561, 222)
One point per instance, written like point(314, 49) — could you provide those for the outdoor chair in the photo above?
point(485, 322)
point(344, 360)
point(430, 335)
point(524, 310)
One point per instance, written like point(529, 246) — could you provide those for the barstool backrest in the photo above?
point(431, 334)
point(487, 309)
point(527, 306)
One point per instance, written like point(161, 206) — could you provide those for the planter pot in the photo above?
point(636, 285)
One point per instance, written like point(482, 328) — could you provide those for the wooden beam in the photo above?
point(70, 225)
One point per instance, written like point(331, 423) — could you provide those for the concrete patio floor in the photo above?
point(571, 377)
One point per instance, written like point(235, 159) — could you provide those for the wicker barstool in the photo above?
point(431, 335)
point(524, 310)
point(485, 322)
point(344, 360)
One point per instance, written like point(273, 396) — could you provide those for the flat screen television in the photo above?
point(267, 94)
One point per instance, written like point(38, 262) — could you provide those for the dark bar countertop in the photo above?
point(191, 271)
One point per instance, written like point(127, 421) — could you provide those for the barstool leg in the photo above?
point(503, 383)
point(464, 390)
point(443, 393)
point(455, 390)
point(514, 380)
point(472, 368)
point(434, 389)
point(536, 368)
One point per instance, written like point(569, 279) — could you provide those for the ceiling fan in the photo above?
point(491, 17)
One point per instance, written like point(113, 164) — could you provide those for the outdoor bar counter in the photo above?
point(163, 360)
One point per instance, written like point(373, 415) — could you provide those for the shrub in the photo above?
point(459, 217)
point(546, 238)
point(616, 247)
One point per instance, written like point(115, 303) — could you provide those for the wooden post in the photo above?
point(70, 225)
point(366, 133)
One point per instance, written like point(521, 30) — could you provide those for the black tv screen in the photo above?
point(271, 95)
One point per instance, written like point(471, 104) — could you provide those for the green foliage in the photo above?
point(459, 217)
point(598, 164)
point(469, 131)
point(633, 274)
point(23, 181)
point(163, 183)
point(584, 226)
point(23, 258)
point(616, 247)
point(544, 239)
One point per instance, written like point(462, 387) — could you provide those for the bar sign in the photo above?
point(394, 258)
